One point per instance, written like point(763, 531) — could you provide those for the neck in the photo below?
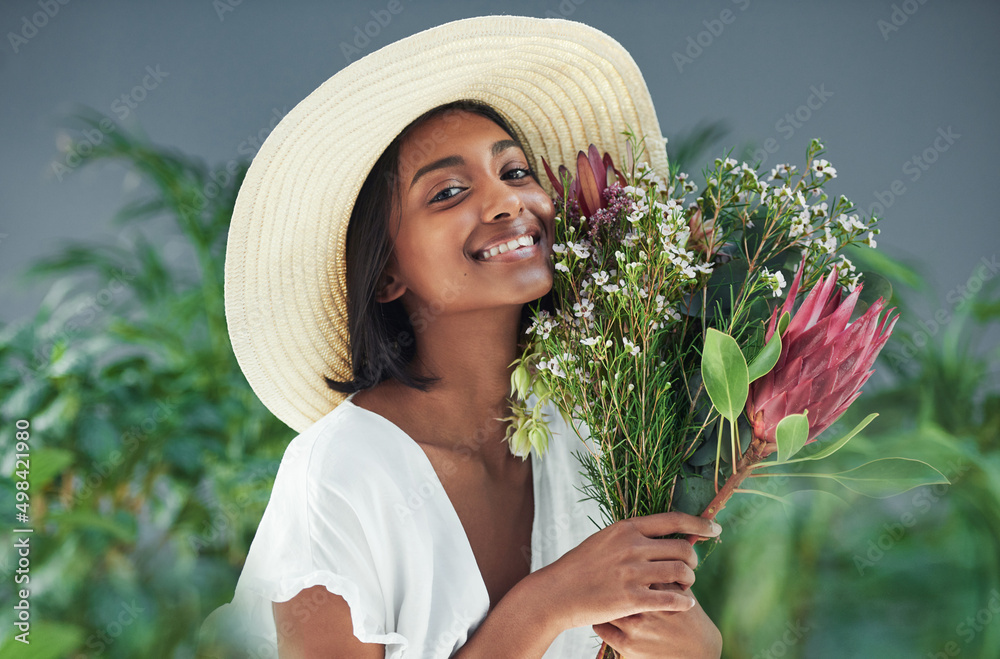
point(471, 353)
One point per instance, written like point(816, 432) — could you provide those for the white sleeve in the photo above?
point(313, 534)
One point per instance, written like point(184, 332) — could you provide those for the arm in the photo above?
point(610, 575)
point(316, 624)
point(522, 624)
point(516, 627)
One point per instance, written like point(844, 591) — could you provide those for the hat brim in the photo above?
point(561, 84)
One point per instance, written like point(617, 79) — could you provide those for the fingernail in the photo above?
point(716, 529)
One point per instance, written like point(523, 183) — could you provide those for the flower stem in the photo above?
point(754, 454)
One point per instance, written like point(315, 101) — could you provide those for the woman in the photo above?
point(400, 524)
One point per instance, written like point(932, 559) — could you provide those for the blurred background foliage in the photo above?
point(152, 460)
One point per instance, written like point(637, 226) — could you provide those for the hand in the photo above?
point(608, 576)
point(687, 634)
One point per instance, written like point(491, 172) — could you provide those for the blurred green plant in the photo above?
point(151, 458)
point(915, 575)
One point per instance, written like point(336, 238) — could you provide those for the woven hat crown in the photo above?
point(561, 85)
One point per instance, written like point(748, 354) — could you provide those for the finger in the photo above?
point(669, 600)
point(668, 572)
point(611, 635)
point(661, 524)
point(670, 550)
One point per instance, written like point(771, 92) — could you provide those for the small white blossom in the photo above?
point(580, 249)
point(851, 223)
point(559, 248)
point(870, 241)
point(829, 242)
point(823, 168)
point(632, 348)
point(562, 266)
point(583, 309)
point(776, 281)
point(601, 278)
point(590, 341)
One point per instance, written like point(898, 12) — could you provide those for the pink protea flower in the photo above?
point(824, 360)
point(592, 174)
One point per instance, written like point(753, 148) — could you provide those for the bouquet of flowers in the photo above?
point(670, 339)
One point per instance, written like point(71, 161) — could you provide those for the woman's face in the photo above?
point(464, 187)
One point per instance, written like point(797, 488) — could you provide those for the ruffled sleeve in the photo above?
point(312, 533)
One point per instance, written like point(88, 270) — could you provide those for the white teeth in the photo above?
point(520, 241)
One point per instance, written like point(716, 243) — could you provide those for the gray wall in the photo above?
point(895, 76)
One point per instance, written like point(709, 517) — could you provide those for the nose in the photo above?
point(502, 202)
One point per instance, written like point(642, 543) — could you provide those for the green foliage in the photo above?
point(151, 458)
point(724, 370)
point(835, 574)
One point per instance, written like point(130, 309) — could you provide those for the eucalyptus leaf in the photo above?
point(724, 370)
point(692, 495)
point(791, 435)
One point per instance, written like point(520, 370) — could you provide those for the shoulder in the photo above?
point(346, 448)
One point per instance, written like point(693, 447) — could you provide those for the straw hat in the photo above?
point(561, 85)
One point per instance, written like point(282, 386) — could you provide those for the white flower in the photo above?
point(611, 288)
point(829, 242)
point(776, 280)
point(601, 278)
point(780, 172)
point(632, 348)
point(581, 250)
point(590, 341)
point(850, 223)
point(823, 168)
point(562, 266)
point(583, 309)
point(870, 241)
point(819, 210)
point(846, 265)
point(559, 248)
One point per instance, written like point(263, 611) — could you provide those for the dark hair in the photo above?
point(382, 337)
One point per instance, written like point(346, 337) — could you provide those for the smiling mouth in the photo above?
point(522, 243)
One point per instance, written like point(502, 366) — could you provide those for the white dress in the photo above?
point(358, 508)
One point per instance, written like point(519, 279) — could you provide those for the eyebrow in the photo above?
point(452, 161)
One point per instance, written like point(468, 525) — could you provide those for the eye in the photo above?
point(446, 194)
point(516, 173)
